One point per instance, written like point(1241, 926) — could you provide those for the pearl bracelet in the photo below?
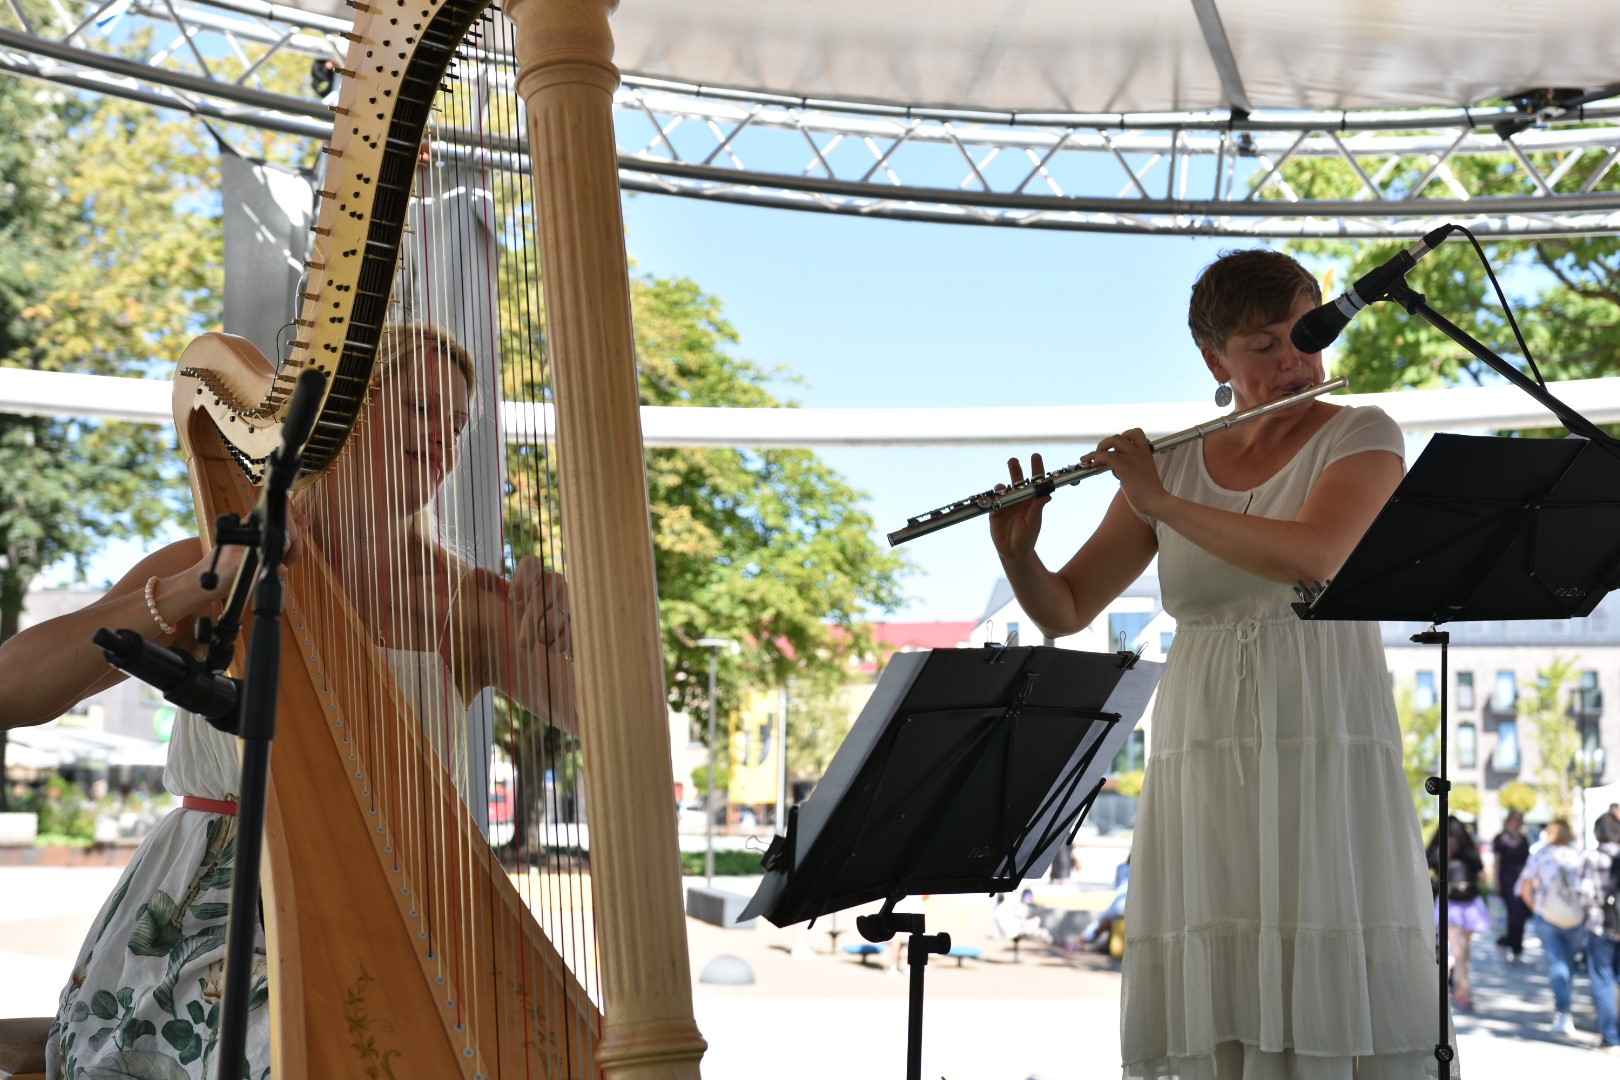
point(151, 605)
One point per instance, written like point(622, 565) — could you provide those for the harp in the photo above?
point(400, 944)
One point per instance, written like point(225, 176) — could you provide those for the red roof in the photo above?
point(923, 635)
point(893, 637)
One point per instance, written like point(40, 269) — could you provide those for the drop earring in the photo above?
point(1223, 395)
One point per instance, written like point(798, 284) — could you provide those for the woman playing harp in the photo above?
point(144, 990)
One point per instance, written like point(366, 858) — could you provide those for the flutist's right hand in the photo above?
point(1014, 529)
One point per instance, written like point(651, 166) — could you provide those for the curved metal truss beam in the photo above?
point(1217, 174)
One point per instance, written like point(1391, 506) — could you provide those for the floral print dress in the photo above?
point(143, 1002)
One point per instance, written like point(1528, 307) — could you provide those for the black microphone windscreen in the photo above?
point(1318, 328)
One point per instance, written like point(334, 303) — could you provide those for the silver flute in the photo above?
point(1006, 495)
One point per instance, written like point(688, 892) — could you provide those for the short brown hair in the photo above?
point(1559, 832)
point(1241, 291)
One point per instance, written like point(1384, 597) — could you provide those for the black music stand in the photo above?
point(1483, 527)
point(963, 773)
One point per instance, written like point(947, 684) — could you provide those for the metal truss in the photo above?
point(1215, 174)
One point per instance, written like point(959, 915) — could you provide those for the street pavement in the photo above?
point(814, 1010)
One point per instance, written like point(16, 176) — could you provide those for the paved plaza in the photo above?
point(815, 1011)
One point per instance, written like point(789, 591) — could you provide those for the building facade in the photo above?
point(1491, 667)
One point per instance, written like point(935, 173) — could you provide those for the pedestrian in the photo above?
point(1062, 864)
point(1458, 872)
point(1551, 887)
point(1599, 888)
point(1512, 849)
point(1277, 922)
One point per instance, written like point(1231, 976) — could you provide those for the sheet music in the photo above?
point(841, 772)
point(1128, 699)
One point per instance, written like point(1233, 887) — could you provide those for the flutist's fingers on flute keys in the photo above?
point(1129, 455)
point(1016, 471)
point(1015, 528)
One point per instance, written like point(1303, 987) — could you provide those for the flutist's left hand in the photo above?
point(1129, 455)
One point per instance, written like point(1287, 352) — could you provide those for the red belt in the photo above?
point(212, 806)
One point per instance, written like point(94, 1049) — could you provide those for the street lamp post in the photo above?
point(714, 645)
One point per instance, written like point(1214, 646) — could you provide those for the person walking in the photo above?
point(1551, 888)
point(1599, 885)
point(1512, 850)
point(1458, 871)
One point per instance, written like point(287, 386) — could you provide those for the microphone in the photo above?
point(1320, 327)
point(182, 678)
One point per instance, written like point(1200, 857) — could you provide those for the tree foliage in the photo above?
point(1564, 293)
point(769, 548)
point(820, 714)
point(111, 262)
point(1546, 711)
point(766, 548)
point(1518, 795)
point(1420, 750)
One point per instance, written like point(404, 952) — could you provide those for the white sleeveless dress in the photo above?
point(1279, 898)
point(143, 999)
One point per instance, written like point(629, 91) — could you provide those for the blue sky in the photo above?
point(878, 313)
point(873, 313)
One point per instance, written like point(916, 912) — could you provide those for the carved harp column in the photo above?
point(566, 78)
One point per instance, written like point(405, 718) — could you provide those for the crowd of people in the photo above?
point(1565, 893)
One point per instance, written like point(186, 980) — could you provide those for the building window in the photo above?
point(1125, 627)
point(1465, 689)
point(1506, 758)
point(1164, 641)
point(1423, 697)
point(1131, 756)
point(765, 739)
point(1505, 695)
point(1591, 698)
point(1467, 745)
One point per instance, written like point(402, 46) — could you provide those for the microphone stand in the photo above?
point(1439, 786)
point(199, 686)
point(258, 718)
point(1415, 304)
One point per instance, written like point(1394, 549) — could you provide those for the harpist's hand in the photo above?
point(540, 604)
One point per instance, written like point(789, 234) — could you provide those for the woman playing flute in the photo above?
point(1279, 923)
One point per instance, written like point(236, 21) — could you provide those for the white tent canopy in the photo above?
point(1151, 55)
point(40, 393)
point(1147, 56)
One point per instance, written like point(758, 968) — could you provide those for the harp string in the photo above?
point(504, 332)
point(560, 888)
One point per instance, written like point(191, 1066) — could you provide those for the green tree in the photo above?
point(820, 714)
point(1465, 799)
point(1545, 710)
point(1420, 750)
point(112, 262)
point(1565, 293)
point(1518, 795)
point(766, 547)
